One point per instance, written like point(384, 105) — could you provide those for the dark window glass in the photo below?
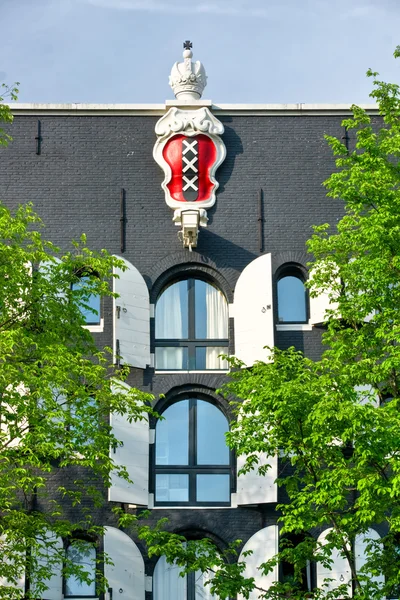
point(192, 460)
point(291, 300)
point(91, 310)
point(191, 327)
point(301, 579)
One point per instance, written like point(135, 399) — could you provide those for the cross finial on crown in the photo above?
point(187, 45)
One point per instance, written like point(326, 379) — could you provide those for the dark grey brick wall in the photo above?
point(75, 187)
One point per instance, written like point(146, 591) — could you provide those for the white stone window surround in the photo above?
point(95, 328)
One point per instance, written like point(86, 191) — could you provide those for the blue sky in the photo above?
point(255, 51)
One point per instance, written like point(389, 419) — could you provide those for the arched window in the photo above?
point(81, 554)
point(89, 304)
point(192, 461)
point(292, 296)
point(191, 327)
point(169, 584)
point(302, 579)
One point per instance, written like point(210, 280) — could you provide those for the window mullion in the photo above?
point(191, 586)
point(192, 448)
point(191, 309)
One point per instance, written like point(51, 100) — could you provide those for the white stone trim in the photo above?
point(121, 110)
point(152, 310)
point(191, 508)
point(294, 327)
point(95, 328)
point(148, 583)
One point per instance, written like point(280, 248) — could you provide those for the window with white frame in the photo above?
point(192, 463)
point(191, 327)
point(292, 296)
point(81, 555)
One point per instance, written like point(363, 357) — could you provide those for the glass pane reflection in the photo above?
point(172, 435)
point(212, 488)
point(172, 488)
point(211, 428)
point(84, 556)
point(92, 313)
point(291, 300)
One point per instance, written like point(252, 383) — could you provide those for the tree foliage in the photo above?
point(335, 422)
point(57, 390)
point(6, 116)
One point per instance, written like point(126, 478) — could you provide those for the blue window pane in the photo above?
point(172, 312)
point(211, 428)
point(91, 314)
point(172, 435)
point(174, 359)
point(291, 300)
point(212, 488)
point(172, 488)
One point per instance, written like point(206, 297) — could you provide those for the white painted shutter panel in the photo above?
point(320, 304)
point(253, 311)
point(134, 456)
point(132, 317)
point(20, 582)
point(126, 577)
point(339, 572)
point(53, 551)
point(360, 545)
point(253, 488)
point(264, 546)
point(167, 582)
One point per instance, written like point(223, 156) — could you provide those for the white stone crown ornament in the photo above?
point(188, 79)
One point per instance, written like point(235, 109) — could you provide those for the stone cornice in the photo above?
point(77, 109)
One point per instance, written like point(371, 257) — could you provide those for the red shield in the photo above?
point(191, 160)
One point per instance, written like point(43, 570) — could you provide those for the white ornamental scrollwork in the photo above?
point(189, 122)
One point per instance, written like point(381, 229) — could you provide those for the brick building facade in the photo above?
point(270, 194)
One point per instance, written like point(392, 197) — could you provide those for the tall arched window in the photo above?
point(169, 584)
point(191, 327)
point(292, 296)
point(300, 580)
point(192, 461)
point(82, 555)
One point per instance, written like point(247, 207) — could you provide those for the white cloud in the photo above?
point(219, 7)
